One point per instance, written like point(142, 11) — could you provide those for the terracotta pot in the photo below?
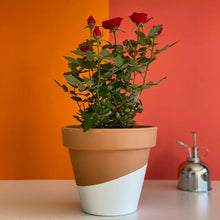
point(109, 166)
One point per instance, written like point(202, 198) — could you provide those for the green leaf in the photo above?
point(141, 68)
point(75, 98)
point(140, 34)
point(128, 75)
point(173, 43)
point(119, 47)
point(78, 52)
point(81, 87)
point(154, 30)
point(144, 59)
point(77, 117)
point(165, 48)
point(133, 43)
point(124, 66)
point(125, 42)
point(150, 83)
point(109, 46)
point(72, 92)
point(134, 86)
point(161, 80)
point(145, 86)
point(72, 80)
point(109, 105)
point(108, 74)
point(118, 116)
point(90, 58)
point(104, 53)
point(134, 64)
point(71, 59)
point(88, 81)
point(142, 49)
point(143, 42)
point(57, 83)
point(87, 125)
point(109, 87)
point(136, 97)
point(87, 115)
point(64, 87)
point(140, 109)
point(85, 64)
point(119, 61)
point(73, 66)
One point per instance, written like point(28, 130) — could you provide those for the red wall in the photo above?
point(189, 99)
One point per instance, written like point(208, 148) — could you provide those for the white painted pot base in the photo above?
point(116, 197)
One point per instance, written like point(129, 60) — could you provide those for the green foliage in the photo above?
point(102, 80)
point(153, 31)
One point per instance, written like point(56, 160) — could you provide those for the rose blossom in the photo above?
point(139, 18)
point(112, 23)
point(84, 47)
point(97, 33)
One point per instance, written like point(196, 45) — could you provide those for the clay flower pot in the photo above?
point(109, 166)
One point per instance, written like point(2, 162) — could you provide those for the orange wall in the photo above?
point(35, 35)
point(189, 98)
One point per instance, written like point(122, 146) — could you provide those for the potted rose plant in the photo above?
point(109, 153)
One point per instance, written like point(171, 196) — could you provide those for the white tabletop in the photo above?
point(58, 199)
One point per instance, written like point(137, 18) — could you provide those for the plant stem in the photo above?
point(152, 53)
point(114, 32)
point(138, 38)
point(77, 101)
point(90, 34)
point(99, 74)
point(134, 77)
point(91, 37)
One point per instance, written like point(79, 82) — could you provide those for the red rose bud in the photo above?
point(160, 30)
point(139, 18)
point(91, 21)
point(113, 23)
point(97, 33)
point(131, 52)
point(84, 47)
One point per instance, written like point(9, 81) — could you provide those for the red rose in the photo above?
point(97, 33)
point(139, 18)
point(112, 23)
point(84, 47)
point(91, 21)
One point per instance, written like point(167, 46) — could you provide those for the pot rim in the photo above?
point(137, 127)
point(109, 139)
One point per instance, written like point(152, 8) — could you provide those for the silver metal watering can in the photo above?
point(194, 175)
